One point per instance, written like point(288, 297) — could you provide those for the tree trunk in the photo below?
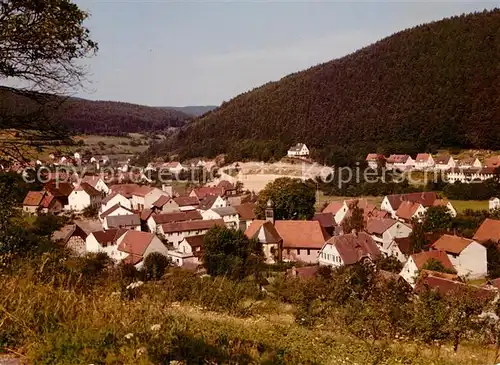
point(455, 342)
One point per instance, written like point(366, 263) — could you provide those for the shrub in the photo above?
point(155, 265)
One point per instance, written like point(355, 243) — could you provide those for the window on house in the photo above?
point(308, 252)
point(288, 251)
point(298, 251)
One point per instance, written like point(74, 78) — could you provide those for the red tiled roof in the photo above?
point(446, 286)
point(488, 230)
point(162, 200)
point(407, 210)
point(225, 185)
point(142, 191)
point(492, 162)
point(135, 242)
point(327, 220)
point(305, 272)
point(442, 160)
point(91, 180)
point(124, 189)
point(333, 207)
point(398, 158)
point(145, 214)
point(425, 198)
point(205, 191)
point(422, 157)
point(107, 237)
point(112, 209)
point(246, 211)
point(207, 202)
point(451, 244)
point(301, 234)
point(47, 200)
point(404, 244)
point(421, 258)
point(119, 221)
point(177, 217)
point(132, 259)
point(354, 247)
point(33, 198)
point(88, 189)
point(270, 235)
point(374, 157)
point(184, 201)
point(379, 226)
point(195, 225)
point(59, 189)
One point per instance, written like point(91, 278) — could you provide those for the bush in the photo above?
point(155, 266)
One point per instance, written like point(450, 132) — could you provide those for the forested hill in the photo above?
point(434, 85)
point(194, 110)
point(95, 117)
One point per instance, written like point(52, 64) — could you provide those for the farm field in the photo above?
point(461, 205)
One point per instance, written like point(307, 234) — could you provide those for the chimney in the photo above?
point(270, 212)
point(168, 189)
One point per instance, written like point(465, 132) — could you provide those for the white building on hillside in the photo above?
point(299, 150)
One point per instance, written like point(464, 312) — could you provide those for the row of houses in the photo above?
point(425, 161)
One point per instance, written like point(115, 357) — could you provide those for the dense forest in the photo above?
point(435, 85)
point(82, 116)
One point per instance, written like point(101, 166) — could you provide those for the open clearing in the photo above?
point(461, 205)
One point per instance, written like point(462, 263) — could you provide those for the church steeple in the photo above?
point(270, 211)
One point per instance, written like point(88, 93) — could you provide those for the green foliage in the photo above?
point(91, 211)
point(155, 265)
point(291, 199)
point(472, 191)
point(435, 265)
point(437, 219)
point(391, 264)
point(356, 221)
point(418, 84)
point(46, 224)
point(493, 257)
point(418, 236)
point(229, 252)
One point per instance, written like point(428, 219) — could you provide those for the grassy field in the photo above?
point(322, 198)
point(461, 205)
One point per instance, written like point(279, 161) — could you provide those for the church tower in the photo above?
point(270, 211)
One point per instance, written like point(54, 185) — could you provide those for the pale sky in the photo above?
point(196, 53)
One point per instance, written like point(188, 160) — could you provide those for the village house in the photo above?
point(470, 175)
point(266, 234)
point(115, 210)
point(126, 246)
point(417, 262)
point(205, 191)
point(385, 230)
point(408, 211)
point(400, 162)
point(489, 230)
point(41, 202)
point(228, 214)
point(246, 213)
point(445, 285)
point(444, 162)
point(344, 209)
point(96, 182)
point(128, 221)
point(165, 204)
point(84, 196)
point(349, 249)
point(113, 199)
point(400, 248)
point(493, 204)
point(228, 189)
point(144, 197)
point(467, 256)
point(327, 221)
point(492, 162)
point(124, 189)
point(177, 231)
point(187, 203)
point(302, 240)
point(189, 252)
point(391, 203)
point(374, 159)
point(60, 190)
point(299, 150)
point(156, 220)
point(469, 163)
point(424, 161)
point(73, 236)
point(173, 167)
point(211, 202)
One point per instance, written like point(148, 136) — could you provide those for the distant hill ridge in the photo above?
point(194, 110)
point(435, 85)
point(97, 117)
